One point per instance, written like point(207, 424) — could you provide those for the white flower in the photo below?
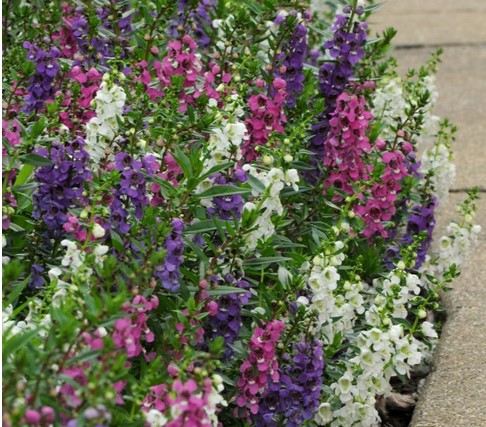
point(345, 382)
point(99, 252)
point(54, 273)
point(428, 330)
point(284, 275)
point(156, 418)
point(324, 413)
point(292, 178)
point(110, 100)
point(302, 301)
point(413, 283)
point(98, 231)
point(259, 310)
point(5, 259)
point(249, 206)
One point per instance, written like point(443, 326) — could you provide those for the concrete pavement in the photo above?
point(454, 394)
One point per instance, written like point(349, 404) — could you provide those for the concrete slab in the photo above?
point(433, 6)
point(453, 394)
point(433, 22)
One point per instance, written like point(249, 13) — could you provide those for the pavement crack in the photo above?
point(466, 190)
point(439, 45)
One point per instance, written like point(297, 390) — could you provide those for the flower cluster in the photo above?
point(78, 106)
point(132, 184)
point(368, 376)
point(266, 117)
point(199, 18)
point(226, 321)
point(421, 219)
point(272, 183)
point(102, 129)
point(227, 207)
point(380, 205)
point(169, 272)
point(129, 331)
point(159, 237)
point(225, 143)
point(389, 104)
point(345, 50)
point(382, 351)
point(42, 83)
point(290, 62)
point(437, 166)
point(60, 186)
point(453, 247)
point(189, 404)
point(181, 61)
point(347, 143)
point(261, 367)
point(296, 396)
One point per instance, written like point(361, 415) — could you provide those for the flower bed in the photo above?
point(216, 213)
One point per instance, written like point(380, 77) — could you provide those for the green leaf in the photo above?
point(307, 152)
point(117, 242)
point(255, 262)
point(373, 7)
point(253, 6)
point(167, 189)
point(331, 204)
point(14, 343)
point(197, 250)
point(323, 33)
point(24, 175)
point(302, 166)
point(183, 161)
point(38, 128)
point(16, 291)
point(220, 290)
point(217, 345)
point(35, 160)
point(222, 190)
point(203, 226)
point(215, 169)
point(256, 184)
point(88, 355)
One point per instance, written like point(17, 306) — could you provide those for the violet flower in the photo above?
point(169, 272)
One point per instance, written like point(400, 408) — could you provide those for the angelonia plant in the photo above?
point(215, 213)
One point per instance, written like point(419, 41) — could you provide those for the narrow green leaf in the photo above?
point(215, 169)
point(196, 249)
point(35, 160)
point(183, 161)
point(14, 343)
point(167, 189)
point(37, 128)
point(256, 262)
point(24, 174)
point(220, 290)
point(256, 184)
point(203, 226)
point(222, 190)
point(117, 241)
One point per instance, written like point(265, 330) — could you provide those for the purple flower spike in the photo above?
point(346, 48)
point(295, 397)
point(169, 272)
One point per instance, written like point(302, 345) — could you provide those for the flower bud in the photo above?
point(267, 160)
